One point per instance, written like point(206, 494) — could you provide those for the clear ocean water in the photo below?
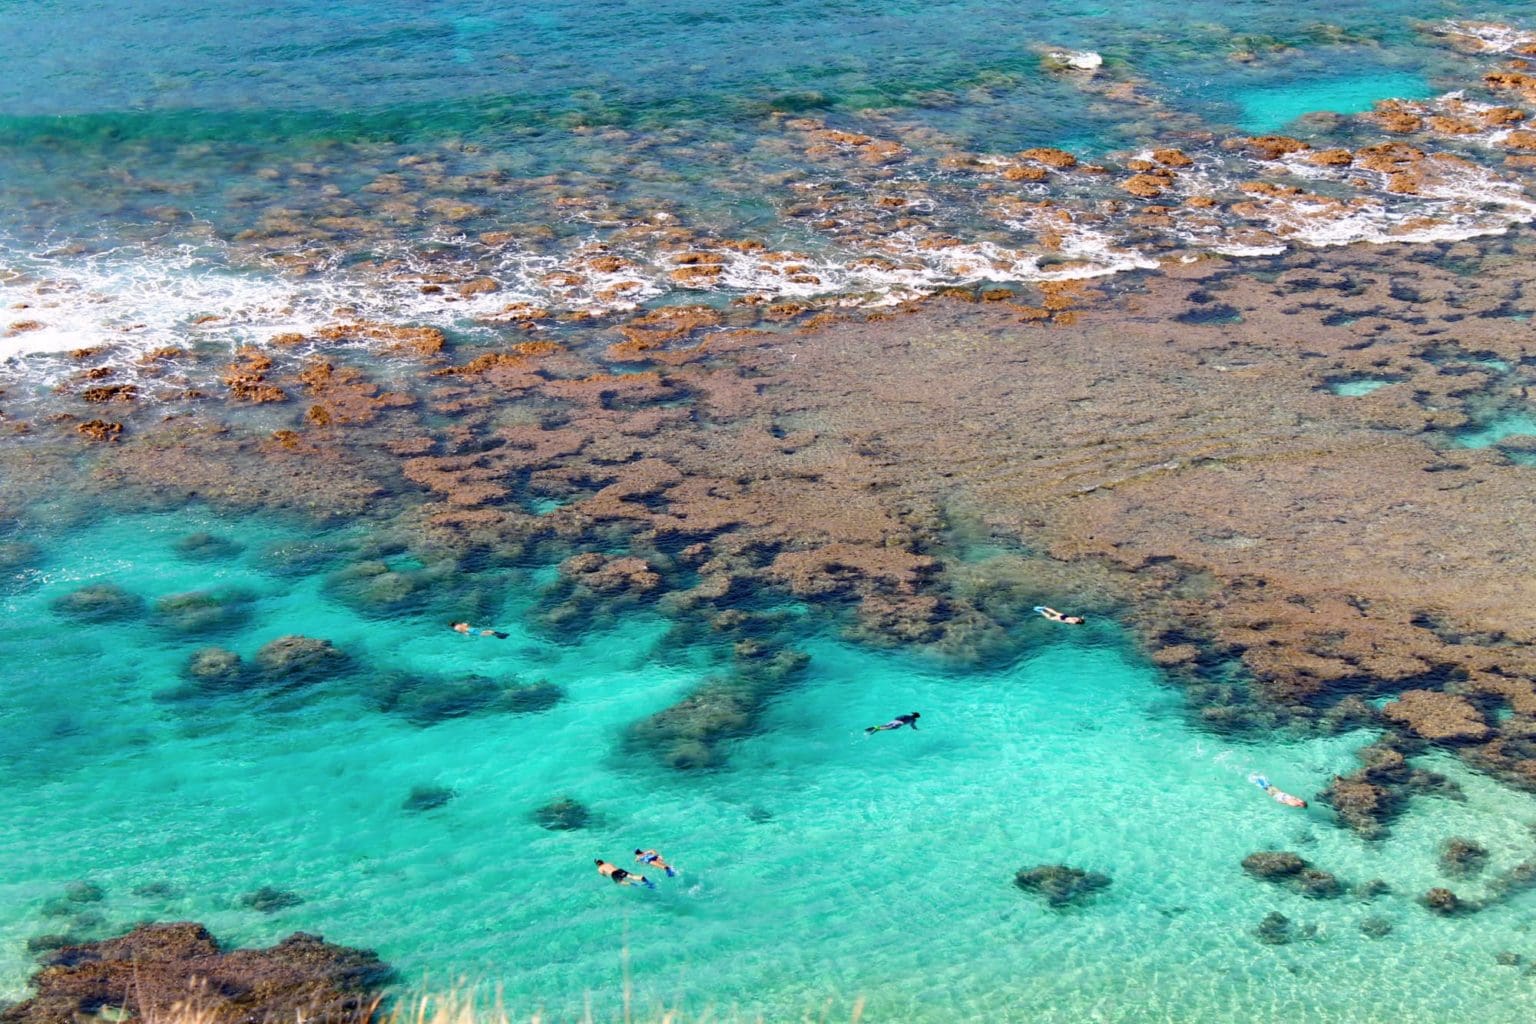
point(167, 162)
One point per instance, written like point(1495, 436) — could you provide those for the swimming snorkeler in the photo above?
point(652, 857)
point(620, 876)
point(468, 630)
point(909, 719)
point(1056, 616)
point(1275, 792)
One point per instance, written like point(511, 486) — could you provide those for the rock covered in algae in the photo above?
point(99, 602)
point(426, 700)
point(215, 670)
point(270, 899)
point(1463, 857)
point(207, 547)
point(291, 660)
point(563, 815)
point(1445, 902)
point(1060, 884)
point(203, 611)
point(1292, 871)
point(154, 966)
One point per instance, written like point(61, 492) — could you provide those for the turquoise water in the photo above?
point(208, 176)
point(1497, 429)
point(1357, 388)
point(822, 867)
point(266, 164)
point(1271, 108)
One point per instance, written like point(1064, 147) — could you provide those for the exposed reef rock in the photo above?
point(155, 968)
point(1437, 716)
point(1060, 884)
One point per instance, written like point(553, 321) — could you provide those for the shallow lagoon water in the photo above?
point(822, 867)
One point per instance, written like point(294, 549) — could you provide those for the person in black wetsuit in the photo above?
point(909, 719)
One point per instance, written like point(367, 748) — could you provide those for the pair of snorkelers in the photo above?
point(468, 630)
point(622, 876)
point(1275, 792)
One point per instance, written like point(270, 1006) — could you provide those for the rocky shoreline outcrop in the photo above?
point(159, 968)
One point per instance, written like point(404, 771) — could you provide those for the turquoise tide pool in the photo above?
point(822, 867)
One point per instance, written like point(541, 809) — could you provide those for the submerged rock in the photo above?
point(427, 798)
point(1292, 871)
point(1443, 901)
point(692, 733)
point(216, 670)
point(49, 942)
point(99, 602)
point(269, 899)
point(203, 611)
point(1060, 884)
point(154, 966)
point(427, 700)
point(1362, 805)
point(155, 891)
point(1270, 865)
point(1375, 927)
point(295, 660)
point(16, 554)
point(563, 815)
point(84, 892)
point(1462, 857)
point(1275, 929)
point(207, 547)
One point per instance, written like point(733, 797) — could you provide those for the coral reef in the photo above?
point(1462, 858)
point(1293, 872)
point(269, 900)
point(1060, 884)
point(203, 611)
point(154, 967)
point(562, 815)
point(99, 602)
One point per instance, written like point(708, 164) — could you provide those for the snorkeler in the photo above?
point(1056, 616)
point(1275, 792)
point(620, 876)
point(895, 723)
point(468, 630)
point(652, 857)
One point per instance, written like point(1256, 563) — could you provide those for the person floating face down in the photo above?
point(1275, 792)
point(468, 630)
point(620, 876)
point(652, 857)
point(908, 719)
point(1056, 616)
